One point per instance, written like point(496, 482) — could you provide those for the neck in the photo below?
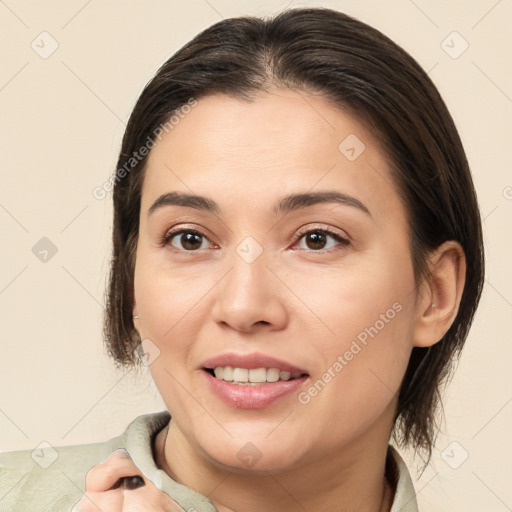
point(352, 480)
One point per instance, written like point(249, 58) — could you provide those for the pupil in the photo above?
point(191, 240)
point(318, 240)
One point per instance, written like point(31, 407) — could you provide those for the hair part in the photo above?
point(360, 70)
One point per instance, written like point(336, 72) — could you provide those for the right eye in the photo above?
point(189, 239)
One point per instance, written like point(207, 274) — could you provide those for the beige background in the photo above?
point(62, 118)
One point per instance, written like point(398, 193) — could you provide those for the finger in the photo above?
point(144, 500)
point(106, 475)
point(129, 483)
point(111, 501)
point(130, 496)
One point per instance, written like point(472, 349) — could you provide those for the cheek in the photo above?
point(363, 302)
point(364, 357)
point(358, 384)
point(168, 302)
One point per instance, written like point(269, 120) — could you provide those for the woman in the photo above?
point(297, 257)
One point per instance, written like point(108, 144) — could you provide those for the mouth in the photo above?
point(252, 381)
point(253, 376)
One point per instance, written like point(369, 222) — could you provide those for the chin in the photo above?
point(257, 455)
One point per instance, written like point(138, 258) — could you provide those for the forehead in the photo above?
point(281, 142)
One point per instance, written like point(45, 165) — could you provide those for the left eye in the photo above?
point(318, 239)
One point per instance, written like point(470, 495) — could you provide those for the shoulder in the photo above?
point(53, 478)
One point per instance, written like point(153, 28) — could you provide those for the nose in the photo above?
point(250, 297)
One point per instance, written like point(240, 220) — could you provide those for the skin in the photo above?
point(298, 302)
point(108, 489)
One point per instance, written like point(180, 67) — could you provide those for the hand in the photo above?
point(118, 485)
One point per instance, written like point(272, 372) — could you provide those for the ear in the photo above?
point(440, 294)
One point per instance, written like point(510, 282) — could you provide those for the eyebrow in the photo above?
point(284, 205)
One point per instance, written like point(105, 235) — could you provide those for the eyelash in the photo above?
point(166, 239)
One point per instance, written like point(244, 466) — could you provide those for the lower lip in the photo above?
point(252, 397)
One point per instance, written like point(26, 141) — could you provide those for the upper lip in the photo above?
point(251, 361)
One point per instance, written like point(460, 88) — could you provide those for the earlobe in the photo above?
point(439, 304)
point(134, 312)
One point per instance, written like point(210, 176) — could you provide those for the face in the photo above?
point(317, 292)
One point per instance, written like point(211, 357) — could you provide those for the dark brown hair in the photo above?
point(365, 73)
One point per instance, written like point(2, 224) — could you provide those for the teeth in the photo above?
point(252, 376)
point(272, 375)
point(257, 375)
point(285, 375)
point(227, 374)
point(240, 374)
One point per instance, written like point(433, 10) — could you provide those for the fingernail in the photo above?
point(133, 482)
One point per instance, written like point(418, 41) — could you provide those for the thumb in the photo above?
point(107, 475)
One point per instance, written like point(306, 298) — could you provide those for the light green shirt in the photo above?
point(52, 479)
